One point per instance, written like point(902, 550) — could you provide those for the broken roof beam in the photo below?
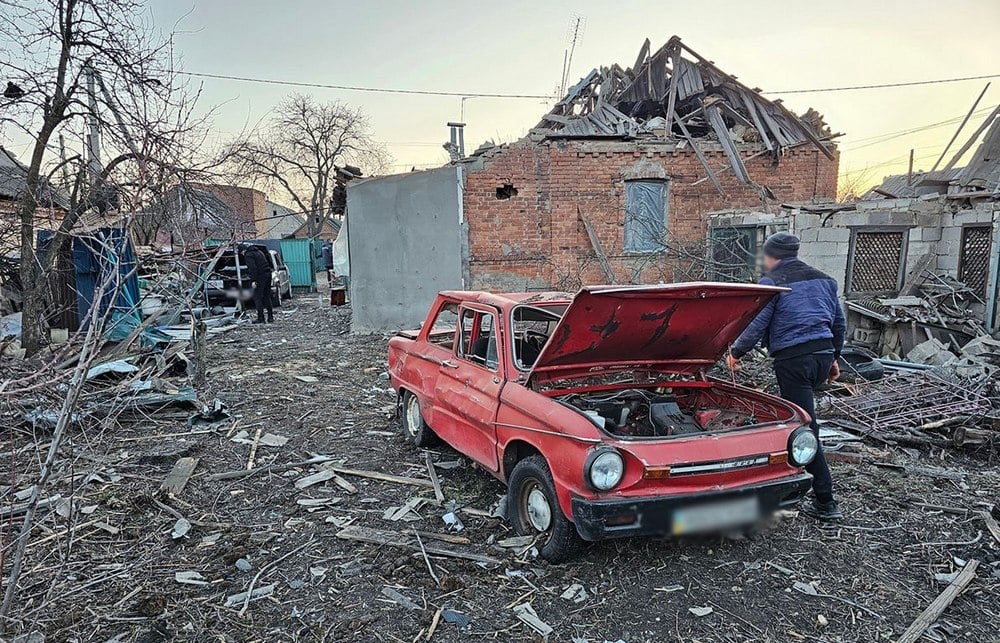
point(672, 90)
point(700, 155)
point(719, 125)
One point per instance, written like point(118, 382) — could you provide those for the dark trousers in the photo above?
point(262, 295)
point(798, 378)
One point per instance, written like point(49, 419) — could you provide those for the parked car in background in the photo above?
point(229, 283)
point(597, 412)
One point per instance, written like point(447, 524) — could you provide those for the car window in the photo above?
point(479, 338)
point(531, 328)
point(442, 331)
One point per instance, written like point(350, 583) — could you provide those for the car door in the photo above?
point(467, 391)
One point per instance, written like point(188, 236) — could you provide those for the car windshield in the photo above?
point(531, 328)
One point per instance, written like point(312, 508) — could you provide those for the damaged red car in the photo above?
point(597, 412)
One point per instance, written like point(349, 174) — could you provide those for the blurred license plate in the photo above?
point(724, 514)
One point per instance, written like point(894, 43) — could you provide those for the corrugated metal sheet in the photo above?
point(298, 256)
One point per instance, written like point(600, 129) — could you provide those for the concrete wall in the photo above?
point(405, 239)
point(934, 227)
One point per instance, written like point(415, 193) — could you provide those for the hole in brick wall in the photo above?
point(506, 191)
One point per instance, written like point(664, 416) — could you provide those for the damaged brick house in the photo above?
point(613, 185)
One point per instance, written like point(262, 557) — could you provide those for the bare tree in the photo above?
point(94, 66)
point(299, 150)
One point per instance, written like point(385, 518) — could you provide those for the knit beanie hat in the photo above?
point(781, 245)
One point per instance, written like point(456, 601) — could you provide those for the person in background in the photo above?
point(803, 330)
point(259, 267)
point(328, 262)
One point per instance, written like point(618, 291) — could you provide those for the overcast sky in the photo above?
point(518, 46)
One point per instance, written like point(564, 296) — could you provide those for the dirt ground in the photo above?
point(109, 570)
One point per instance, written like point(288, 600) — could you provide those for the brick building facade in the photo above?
point(525, 207)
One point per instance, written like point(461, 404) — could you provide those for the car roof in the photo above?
point(507, 299)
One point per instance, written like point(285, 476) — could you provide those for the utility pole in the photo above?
point(94, 126)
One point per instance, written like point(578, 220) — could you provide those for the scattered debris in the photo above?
point(701, 611)
point(181, 528)
point(527, 614)
point(940, 604)
point(399, 599)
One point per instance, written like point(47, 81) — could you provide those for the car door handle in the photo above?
point(449, 364)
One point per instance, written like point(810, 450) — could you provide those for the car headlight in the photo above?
point(802, 446)
point(604, 469)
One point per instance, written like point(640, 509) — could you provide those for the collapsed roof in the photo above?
point(980, 178)
point(676, 93)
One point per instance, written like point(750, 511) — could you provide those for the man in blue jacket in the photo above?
point(803, 330)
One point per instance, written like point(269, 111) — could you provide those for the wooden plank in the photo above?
point(758, 125)
point(178, 477)
point(972, 139)
point(940, 604)
point(384, 477)
point(700, 155)
point(719, 126)
point(602, 257)
point(991, 524)
point(432, 474)
point(396, 539)
point(675, 54)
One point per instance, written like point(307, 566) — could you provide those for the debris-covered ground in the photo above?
point(308, 518)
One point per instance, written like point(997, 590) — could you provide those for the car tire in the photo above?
point(412, 422)
point(533, 510)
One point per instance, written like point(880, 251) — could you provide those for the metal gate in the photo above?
point(298, 256)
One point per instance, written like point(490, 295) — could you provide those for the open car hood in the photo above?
point(676, 328)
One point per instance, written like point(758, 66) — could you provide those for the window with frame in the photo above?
point(645, 226)
point(734, 253)
point(974, 257)
point(479, 340)
point(442, 331)
point(877, 261)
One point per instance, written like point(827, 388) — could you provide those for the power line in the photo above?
point(883, 86)
point(382, 90)
point(427, 92)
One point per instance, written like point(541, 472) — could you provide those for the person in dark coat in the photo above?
point(803, 331)
point(259, 267)
point(328, 261)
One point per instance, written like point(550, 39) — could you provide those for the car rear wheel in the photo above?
point(414, 427)
point(533, 510)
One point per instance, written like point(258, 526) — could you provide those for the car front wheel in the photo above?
point(533, 510)
point(414, 427)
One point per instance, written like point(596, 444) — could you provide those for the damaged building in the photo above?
point(916, 259)
point(613, 185)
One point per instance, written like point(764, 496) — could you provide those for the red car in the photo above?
point(596, 411)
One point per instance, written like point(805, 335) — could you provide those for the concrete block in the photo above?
point(823, 248)
point(835, 234)
point(809, 235)
point(947, 263)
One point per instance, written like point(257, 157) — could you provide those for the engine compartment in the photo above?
point(672, 412)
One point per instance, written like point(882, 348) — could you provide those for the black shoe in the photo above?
point(270, 319)
point(825, 511)
point(258, 321)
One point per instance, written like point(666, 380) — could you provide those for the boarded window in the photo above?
point(974, 260)
point(645, 216)
point(876, 261)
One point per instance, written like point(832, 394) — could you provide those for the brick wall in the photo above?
point(534, 239)
point(247, 203)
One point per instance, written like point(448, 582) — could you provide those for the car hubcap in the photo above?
point(537, 509)
point(412, 415)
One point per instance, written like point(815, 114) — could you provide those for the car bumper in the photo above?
point(602, 519)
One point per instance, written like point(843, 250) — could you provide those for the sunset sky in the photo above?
point(518, 47)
